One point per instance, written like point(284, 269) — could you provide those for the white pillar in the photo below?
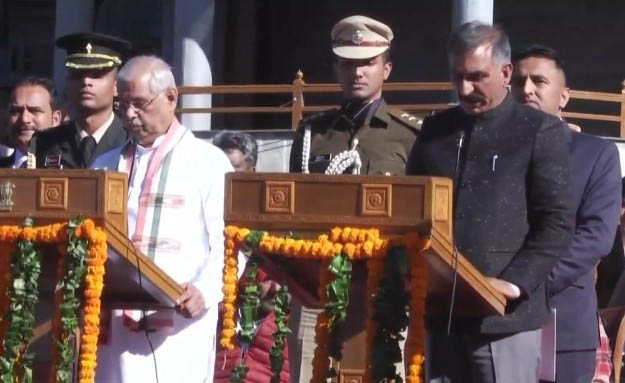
point(464, 11)
point(193, 48)
point(71, 16)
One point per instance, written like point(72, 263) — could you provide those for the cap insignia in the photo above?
point(88, 48)
point(358, 37)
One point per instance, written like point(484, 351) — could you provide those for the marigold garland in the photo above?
point(23, 294)
point(356, 244)
point(230, 290)
point(415, 344)
point(95, 258)
point(94, 284)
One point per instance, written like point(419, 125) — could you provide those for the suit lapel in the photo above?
point(7, 162)
point(68, 147)
point(115, 136)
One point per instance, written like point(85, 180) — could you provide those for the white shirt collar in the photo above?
point(99, 133)
point(20, 158)
point(157, 142)
point(5, 151)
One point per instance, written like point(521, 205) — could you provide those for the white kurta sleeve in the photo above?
point(213, 212)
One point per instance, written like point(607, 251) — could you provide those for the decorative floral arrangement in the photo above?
point(249, 313)
point(94, 284)
point(321, 357)
point(389, 314)
point(82, 249)
point(338, 299)
point(16, 361)
point(336, 251)
point(281, 309)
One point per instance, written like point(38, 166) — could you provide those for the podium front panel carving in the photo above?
point(53, 193)
point(6, 195)
point(279, 197)
point(376, 200)
point(441, 199)
point(116, 196)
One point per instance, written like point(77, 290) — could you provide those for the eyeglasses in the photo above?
point(137, 104)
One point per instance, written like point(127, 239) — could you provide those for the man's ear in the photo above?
point(115, 88)
point(388, 68)
point(56, 117)
point(564, 97)
point(506, 71)
point(172, 97)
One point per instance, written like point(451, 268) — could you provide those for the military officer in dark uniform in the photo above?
point(380, 135)
point(92, 62)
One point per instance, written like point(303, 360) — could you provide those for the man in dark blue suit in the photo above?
point(539, 81)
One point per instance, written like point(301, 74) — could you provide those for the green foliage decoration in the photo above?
point(16, 361)
point(390, 304)
point(281, 310)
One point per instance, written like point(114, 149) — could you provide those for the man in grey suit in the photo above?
point(539, 81)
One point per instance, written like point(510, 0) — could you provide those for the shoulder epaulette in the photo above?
point(405, 118)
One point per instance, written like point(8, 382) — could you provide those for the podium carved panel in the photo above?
point(53, 193)
point(376, 200)
point(279, 197)
point(117, 197)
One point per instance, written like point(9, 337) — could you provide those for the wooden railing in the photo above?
point(299, 89)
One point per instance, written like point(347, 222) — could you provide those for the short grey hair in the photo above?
point(161, 76)
point(474, 34)
point(227, 140)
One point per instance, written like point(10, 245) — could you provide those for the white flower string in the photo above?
point(306, 150)
point(31, 161)
point(344, 160)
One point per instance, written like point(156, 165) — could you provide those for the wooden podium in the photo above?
point(312, 204)
point(51, 196)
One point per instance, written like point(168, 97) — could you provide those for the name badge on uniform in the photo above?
point(320, 158)
point(53, 161)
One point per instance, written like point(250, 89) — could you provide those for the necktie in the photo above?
point(87, 147)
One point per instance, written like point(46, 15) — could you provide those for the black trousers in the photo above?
point(575, 366)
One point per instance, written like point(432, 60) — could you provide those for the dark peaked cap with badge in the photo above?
point(360, 37)
point(90, 50)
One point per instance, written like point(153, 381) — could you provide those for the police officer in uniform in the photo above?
point(365, 125)
point(92, 62)
point(363, 136)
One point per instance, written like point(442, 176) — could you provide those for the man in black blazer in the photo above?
point(92, 61)
point(539, 81)
point(32, 108)
point(513, 209)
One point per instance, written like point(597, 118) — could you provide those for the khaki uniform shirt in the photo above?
point(384, 140)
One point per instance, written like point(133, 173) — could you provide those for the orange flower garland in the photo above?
point(415, 344)
point(232, 238)
point(356, 244)
point(94, 283)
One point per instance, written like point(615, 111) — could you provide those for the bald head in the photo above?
point(148, 97)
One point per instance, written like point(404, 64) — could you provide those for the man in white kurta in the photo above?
point(175, 216)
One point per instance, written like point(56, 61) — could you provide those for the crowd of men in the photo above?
point(536, 203)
